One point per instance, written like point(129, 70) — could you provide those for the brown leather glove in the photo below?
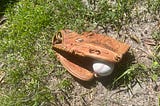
point(77, 52)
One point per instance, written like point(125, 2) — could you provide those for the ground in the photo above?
point(99, 93)
point(30, 74)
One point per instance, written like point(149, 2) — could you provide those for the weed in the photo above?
point(155, 67)
point(65, 84)
point(138, 72)
point(158, 99)
point(132, 74)
point(71, 16)
point(115, 14)
point(153, 6)
point(156, 35)
point(154, 70)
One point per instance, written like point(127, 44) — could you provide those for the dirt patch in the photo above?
point(99, 92)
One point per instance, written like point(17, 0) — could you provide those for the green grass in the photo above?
point(138, 72)
point(25, 44)
point(153, 6)
point(115, 14)
point(155, 67)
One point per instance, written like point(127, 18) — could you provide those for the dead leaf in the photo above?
point(135, 38)
point(2, 75)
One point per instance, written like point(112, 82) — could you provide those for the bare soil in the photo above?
point(100, 92)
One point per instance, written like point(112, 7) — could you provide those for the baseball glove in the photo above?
point(77, 52)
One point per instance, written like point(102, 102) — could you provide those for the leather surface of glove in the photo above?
point(77, 52)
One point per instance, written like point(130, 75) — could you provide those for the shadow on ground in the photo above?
point(107, 81)
point(87, 84)
point(120, 68)
point(4, 4)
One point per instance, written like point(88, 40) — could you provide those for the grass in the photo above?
point(114, 14)
point(153, 6)
point(138, 72)
point(25, 44)
point(155, 67)
point(23, 51)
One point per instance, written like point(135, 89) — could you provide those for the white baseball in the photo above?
point(103, 69)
